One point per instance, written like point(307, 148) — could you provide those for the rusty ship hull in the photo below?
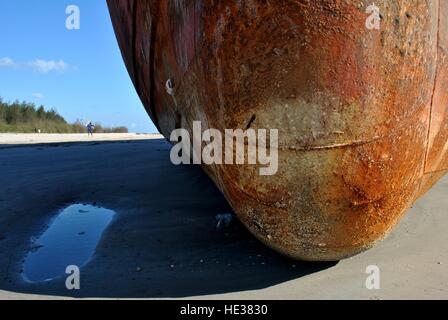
point(361, 113)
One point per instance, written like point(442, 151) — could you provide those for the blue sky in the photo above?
point(80, 73)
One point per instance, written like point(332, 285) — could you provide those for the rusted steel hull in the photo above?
point(362, 114)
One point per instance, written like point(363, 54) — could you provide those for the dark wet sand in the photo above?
point(163, 242)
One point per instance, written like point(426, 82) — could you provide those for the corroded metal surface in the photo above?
point(362, 114)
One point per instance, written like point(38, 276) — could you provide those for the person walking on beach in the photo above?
point(90, 128)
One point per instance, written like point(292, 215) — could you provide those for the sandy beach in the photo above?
point(163, 242)
point(25, 138)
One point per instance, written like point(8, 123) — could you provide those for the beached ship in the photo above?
point(360, 105)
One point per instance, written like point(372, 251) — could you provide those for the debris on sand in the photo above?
point(223, 220)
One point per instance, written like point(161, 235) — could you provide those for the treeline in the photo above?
point(23, 117)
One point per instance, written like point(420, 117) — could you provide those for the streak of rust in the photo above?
point(367, 109)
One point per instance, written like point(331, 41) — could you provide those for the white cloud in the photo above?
point(45, 66)
point(6, 62)
point(38, 96)
point(39, 65)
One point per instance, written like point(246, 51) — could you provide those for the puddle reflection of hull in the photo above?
point(361, 113)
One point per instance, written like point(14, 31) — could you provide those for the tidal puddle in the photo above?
point(71, 239)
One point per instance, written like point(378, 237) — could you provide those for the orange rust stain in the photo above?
point(231, 60)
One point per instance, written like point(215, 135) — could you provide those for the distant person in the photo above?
point(90, 128)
